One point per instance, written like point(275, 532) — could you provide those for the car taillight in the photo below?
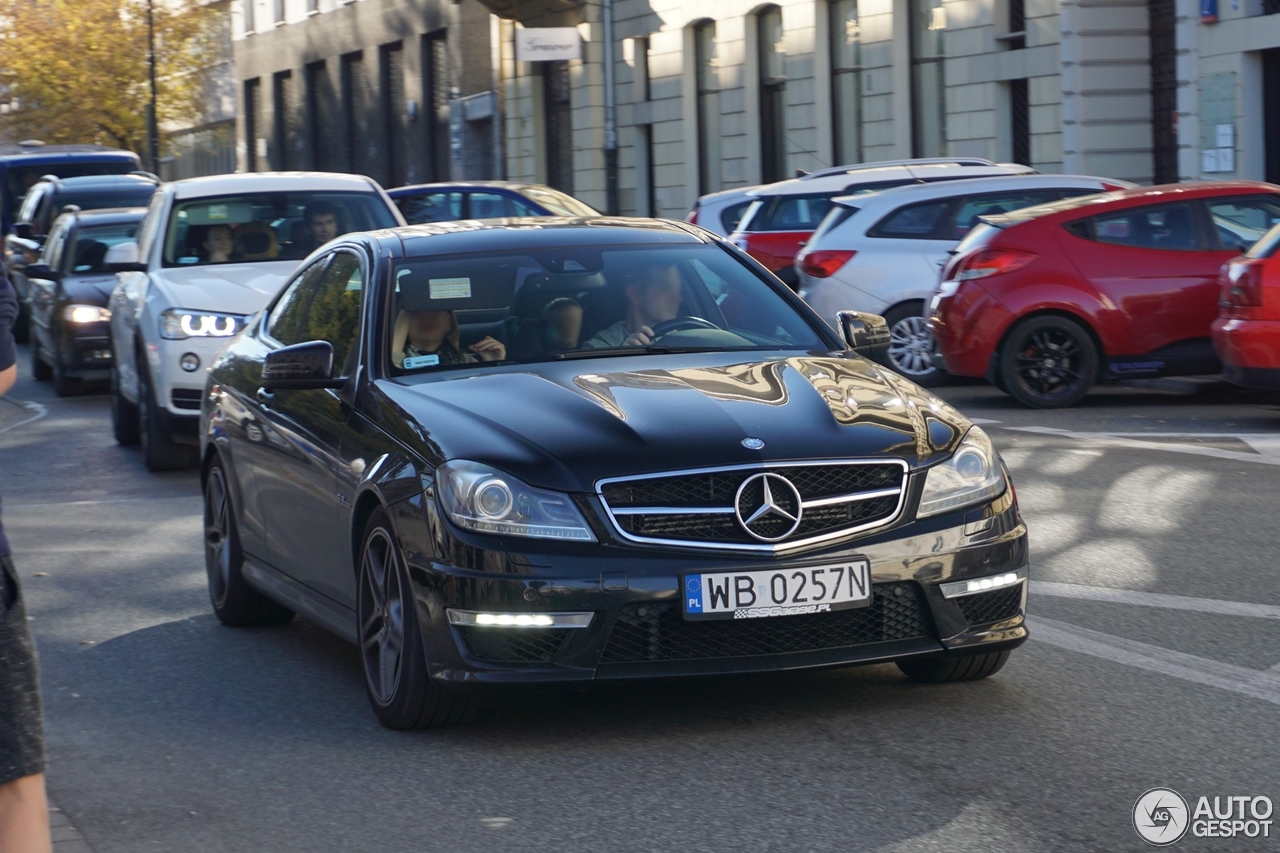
point(693, 216)
point(995, 261)
point(1242, 284)
point(824, 262)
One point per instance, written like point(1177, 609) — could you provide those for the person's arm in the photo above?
point(8, 354)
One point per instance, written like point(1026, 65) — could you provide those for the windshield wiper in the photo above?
point(609, 352)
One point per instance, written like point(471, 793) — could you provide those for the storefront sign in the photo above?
point(544, 44)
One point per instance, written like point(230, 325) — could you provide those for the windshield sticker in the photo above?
point(413, 362)
point(450, 288)
point(217, 211)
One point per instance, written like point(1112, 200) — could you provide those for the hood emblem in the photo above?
point(752, 443)
point(768, 507)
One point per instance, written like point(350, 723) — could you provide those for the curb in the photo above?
point(66, 838)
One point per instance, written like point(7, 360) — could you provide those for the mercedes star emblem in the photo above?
point(768, 507)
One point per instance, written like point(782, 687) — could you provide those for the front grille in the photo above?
point(514, 645)
point(186, 398)
point(659, 632)
point(699, 508)
point(987, 607)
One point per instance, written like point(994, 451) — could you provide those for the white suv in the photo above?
point(210, 252)
point(881, 252)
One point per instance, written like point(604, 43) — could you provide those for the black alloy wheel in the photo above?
point(40, 369)
point(948, 670)
point(159, 451)
point(124, 415)
point(235, 603)
point(911, 345)
point(1048, 362)
point(391, 651)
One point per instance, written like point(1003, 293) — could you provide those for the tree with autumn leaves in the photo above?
point(76, 71)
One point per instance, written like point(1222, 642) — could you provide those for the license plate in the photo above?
point(777, 592)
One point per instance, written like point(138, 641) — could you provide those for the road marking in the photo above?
point(1249, 682)
point(1267, 446)
point(11, 505)
point(39, 412)
point(1155, 599)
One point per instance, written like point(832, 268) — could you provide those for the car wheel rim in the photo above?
point(1049, 362)
point(217, 535)
point(381, 616)
point(911, 347)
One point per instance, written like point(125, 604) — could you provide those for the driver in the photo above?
point(652, 299)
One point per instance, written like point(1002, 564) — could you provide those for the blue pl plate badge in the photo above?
point(693, 592)
point(415, 361)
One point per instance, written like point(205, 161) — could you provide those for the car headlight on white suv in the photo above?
point(477, 497)
point(972, 475)
point(177, 324)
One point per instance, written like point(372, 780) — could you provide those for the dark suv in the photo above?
point(48, 198)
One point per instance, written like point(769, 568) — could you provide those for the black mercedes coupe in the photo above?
point(550, 451)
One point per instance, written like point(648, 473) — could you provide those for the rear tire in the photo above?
point(1048, 362)
point(911, 345)
point(124, 415)
point(159, 451)
point(40, 370)
point(948, 670)
point(397, 682)
point(235, 603)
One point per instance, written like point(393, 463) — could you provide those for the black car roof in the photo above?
point(451, 238)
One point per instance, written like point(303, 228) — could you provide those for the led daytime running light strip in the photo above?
point(974, 586)
point(519, 620)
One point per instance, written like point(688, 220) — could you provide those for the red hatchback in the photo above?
point(1046, 301)
point(1247, 331)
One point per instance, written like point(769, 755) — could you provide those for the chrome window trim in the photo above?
point(779, 548)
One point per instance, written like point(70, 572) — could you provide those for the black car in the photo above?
point(68, 293)
point(570, 450)
point(449, 202)
point(45, 202)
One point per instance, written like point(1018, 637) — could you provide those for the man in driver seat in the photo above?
point(652, 298)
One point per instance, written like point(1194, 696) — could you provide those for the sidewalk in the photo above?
point(66, 838)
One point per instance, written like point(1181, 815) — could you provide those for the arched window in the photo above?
point(708, 82)
point(773, 89)
point(846, 80)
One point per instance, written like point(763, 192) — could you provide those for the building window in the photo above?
point(773, 91)
point(1020, 121)
point(928, 86)
point(353, 112)
point(393, 112)
point(247, 6)
point(319, 121)
point(278, 17)
point(645, 131)
point(1164, 90)
point(283, 103)
point(708, 107)
point(435, 95)
point(846, 80)
point(641, 48)
point(313, 6)
point(557, 124)
point(251, 99)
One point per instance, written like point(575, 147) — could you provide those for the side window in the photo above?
point(1241, 222)
point(489, 205)
point(27, 212)
point(43, 218)
point(989, 204)
point(522, 209)
point(323, 304)
point(288, 319)
point(431, 207)
point(924, 221)
point(793, 213)
point(150, 226)
point(1169, 226)
point(732, 215)
point(53, 248)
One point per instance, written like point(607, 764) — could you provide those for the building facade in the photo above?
point(207, 146)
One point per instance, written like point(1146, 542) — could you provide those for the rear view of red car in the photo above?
point(1247, 331)
point(1046, 301)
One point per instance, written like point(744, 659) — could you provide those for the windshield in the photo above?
point(93, 241)
point(584, 302)
point(557, 202)
point(277, 226)
point(19, 179)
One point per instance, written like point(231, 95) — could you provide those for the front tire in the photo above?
point(235, 603)
point(1048, 362)
point(159, 451)
point(950, 670)
point(911, 345)
point(399, 687)
point(40, 370)
point(63, 385)
point(124, 415)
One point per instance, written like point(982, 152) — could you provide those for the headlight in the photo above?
point(177, 325)
point(972, 475)
point(477, 497)
point(85, 314)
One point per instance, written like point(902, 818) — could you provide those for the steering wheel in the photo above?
point(680, 324)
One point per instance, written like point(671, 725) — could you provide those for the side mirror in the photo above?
point(24, 230)
point(42, 271)
point(123, 257)
point(865, 334)
point(301, 366)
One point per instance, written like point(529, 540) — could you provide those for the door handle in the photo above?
point(265, 397)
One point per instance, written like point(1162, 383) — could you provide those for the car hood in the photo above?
point(89, 288)
point(568, 424)
point(231, 288)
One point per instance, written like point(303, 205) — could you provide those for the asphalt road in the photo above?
point(1156, 620)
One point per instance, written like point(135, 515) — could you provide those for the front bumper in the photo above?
point(86, 351)
point(638, 631)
